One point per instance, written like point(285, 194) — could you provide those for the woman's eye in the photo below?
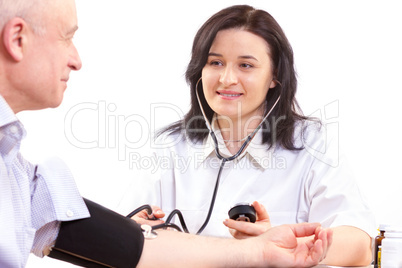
point(215, 63)
point(246, 65)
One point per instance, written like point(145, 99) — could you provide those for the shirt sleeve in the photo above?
point(337, 200)
point(333, 192)
point(55, 198)
point(45, 238)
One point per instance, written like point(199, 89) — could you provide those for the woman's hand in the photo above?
point(241, 229)
point(142, 217)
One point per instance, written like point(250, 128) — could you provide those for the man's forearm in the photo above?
point(174, 249)
point(279, 246)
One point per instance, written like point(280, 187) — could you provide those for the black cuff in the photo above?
point(106, 239)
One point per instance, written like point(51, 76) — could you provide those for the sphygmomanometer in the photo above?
point(106, 239)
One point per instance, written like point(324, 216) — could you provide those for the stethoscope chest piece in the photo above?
point(243, 212)
point(148, 232)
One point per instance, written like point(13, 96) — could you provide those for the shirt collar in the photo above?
point(7, 115)
point(256, 150)
point(11, 129)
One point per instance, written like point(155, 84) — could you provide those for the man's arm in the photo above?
point(107, 239)
point(277, 247)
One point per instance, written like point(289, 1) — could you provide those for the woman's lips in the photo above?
point(229, 95)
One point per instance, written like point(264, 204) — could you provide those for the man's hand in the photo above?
point(241, 229)
point(284, 246)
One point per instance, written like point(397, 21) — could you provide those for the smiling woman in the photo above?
point(246, 66)
point(236, 80)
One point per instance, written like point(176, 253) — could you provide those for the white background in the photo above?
point(134, 53)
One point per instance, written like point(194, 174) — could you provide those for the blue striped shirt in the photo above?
point(34, 199)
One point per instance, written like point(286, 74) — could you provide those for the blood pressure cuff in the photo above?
point(106, 239)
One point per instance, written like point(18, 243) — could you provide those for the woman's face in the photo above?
point(238, 75)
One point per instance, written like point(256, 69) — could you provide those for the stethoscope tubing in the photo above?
point(223, 159)
point(218, 154)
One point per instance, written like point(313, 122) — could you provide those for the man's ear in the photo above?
point(15, 37)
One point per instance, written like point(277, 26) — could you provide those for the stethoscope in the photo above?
point(223, 162)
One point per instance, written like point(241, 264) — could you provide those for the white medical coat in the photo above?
point(310, 185)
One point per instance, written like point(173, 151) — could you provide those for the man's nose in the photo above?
point(75, 62)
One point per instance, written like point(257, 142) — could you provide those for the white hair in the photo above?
point(31, 11)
